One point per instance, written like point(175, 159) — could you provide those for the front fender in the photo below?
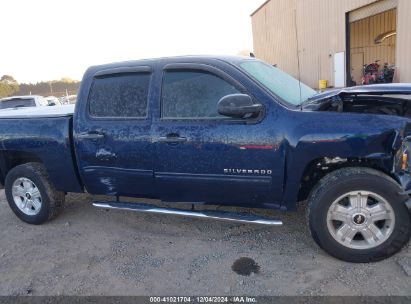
point(374, 146)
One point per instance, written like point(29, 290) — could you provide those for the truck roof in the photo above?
point(189, 58)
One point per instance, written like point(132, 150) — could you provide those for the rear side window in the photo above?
point(17, 103)
point(120, 95)
point(193, 94)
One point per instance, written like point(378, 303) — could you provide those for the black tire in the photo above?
point(342, 181)
point(52, 201)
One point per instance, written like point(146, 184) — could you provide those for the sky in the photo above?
point(49, 39)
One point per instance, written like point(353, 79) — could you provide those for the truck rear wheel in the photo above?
point(31, 195)
point(357, 215)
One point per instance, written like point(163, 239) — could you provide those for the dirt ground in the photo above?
point(89, 251)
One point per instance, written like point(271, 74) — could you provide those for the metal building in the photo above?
point(334, 39)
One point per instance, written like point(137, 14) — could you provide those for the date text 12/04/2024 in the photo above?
point(204, 299)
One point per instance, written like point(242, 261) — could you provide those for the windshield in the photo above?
point(278, 82)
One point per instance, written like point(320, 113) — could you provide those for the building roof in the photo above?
point(260, 7)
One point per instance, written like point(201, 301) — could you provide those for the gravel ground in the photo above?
point(89, 251)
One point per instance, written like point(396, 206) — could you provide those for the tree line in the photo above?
point(10, 87)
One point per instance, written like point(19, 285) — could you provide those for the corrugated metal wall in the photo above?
point(321, 34)
point(403, 54)
point(273, 43)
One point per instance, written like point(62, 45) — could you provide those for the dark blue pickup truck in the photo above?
point(223, 131)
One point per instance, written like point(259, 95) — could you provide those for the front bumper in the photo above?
point(405, 182)
point(402, 166)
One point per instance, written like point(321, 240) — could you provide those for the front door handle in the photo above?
point(172, 139)
point(91, 135)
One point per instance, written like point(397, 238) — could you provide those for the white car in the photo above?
point(22, 102)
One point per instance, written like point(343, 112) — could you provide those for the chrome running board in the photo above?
point(217, 215)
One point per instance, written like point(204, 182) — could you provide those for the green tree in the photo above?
point(8, 86)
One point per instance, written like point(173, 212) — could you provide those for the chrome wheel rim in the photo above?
point(360, 220)
point(26, 196)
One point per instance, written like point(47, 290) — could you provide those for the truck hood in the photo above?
point(389, 99)
point(37, 112)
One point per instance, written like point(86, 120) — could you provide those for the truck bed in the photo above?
point(36, 112)
point(41, 134)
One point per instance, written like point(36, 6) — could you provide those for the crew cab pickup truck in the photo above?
point(223, 131)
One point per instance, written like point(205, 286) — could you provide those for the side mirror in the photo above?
point(238, 106)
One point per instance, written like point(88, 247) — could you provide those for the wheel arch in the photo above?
point(12, 158)
point(316, 169)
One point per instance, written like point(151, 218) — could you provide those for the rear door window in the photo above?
point(120, 95)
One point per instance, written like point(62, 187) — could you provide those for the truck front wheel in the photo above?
point(30, 194)
point(358, 215)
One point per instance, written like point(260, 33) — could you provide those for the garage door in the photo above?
point(372, 9)
point(373, 40)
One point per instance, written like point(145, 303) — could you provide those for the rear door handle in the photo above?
point(91, 135)
point(172, 139)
